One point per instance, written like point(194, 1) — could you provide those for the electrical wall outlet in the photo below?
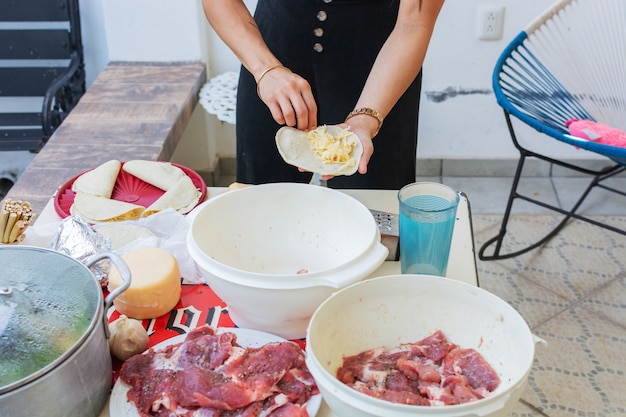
point(489, 22)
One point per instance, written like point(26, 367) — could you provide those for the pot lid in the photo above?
point(48, 302)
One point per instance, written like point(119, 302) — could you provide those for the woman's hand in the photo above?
point(289, 98)
point(365, 127)
point(366, 141)
point(368, 147)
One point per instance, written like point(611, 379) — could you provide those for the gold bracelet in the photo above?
point(370, 112)
point(265, 71)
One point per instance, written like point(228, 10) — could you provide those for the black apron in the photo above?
point(333, 45)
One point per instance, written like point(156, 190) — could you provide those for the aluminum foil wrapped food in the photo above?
point(79, 240)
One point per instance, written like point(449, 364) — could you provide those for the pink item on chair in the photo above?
point(596, 132)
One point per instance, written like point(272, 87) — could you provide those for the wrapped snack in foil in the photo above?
point(79, 240)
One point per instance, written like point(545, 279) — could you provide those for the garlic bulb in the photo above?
point(128, 337)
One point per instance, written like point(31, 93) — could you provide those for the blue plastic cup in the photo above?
point(427, 217)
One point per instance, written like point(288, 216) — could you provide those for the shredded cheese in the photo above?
point(332, 149)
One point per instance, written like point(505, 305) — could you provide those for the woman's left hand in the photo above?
point(368, 147)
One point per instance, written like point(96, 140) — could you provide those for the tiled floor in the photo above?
point(488, 194)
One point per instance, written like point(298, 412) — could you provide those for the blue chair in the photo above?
point(570, 63)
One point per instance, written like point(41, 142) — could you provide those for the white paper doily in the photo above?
point(219, 96)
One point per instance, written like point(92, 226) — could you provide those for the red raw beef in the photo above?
point(210, 375)
point(432, 371)
point(473, 366)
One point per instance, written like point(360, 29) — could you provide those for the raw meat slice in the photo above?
point(432, 371)
point(209, 374)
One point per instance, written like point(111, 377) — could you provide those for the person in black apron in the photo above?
point(313, 62)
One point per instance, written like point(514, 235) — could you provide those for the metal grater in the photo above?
point(389, 232)
point(387, 222)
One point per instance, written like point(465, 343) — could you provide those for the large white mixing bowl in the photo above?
point(274, 252)
point(397, 309)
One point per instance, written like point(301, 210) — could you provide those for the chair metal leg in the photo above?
point(568, 215)
point(498, 239)
point(597, 178)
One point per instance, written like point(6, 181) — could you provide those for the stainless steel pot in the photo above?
point(54, 353)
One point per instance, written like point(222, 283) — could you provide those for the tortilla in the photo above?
point(162, 175)
point(326, 150)
point(95, 209)
point(99, 181)
point(182, 197)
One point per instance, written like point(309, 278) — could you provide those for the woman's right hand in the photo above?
point(289, 98)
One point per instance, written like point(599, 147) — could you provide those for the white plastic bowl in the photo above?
point(274, 252)
point(396, 309)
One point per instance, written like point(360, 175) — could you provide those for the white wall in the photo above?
point(141, 30)
point(157, 31)
point(467, 123)
point(464, 123)
point(94, 38)
point(148, 30)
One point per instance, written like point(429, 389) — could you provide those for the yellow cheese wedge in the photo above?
point(155, 284)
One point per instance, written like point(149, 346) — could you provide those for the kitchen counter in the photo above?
point(462, 260)
point(461, 266)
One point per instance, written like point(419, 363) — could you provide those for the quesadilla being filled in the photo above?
point(99, 181)
point(94, 209)
point(162, 175)
point(326, 150)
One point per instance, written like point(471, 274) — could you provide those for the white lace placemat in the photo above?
point(219, 96)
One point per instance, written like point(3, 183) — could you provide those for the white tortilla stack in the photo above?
point(99, 181)
point(326, 150)
point(93, 190)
